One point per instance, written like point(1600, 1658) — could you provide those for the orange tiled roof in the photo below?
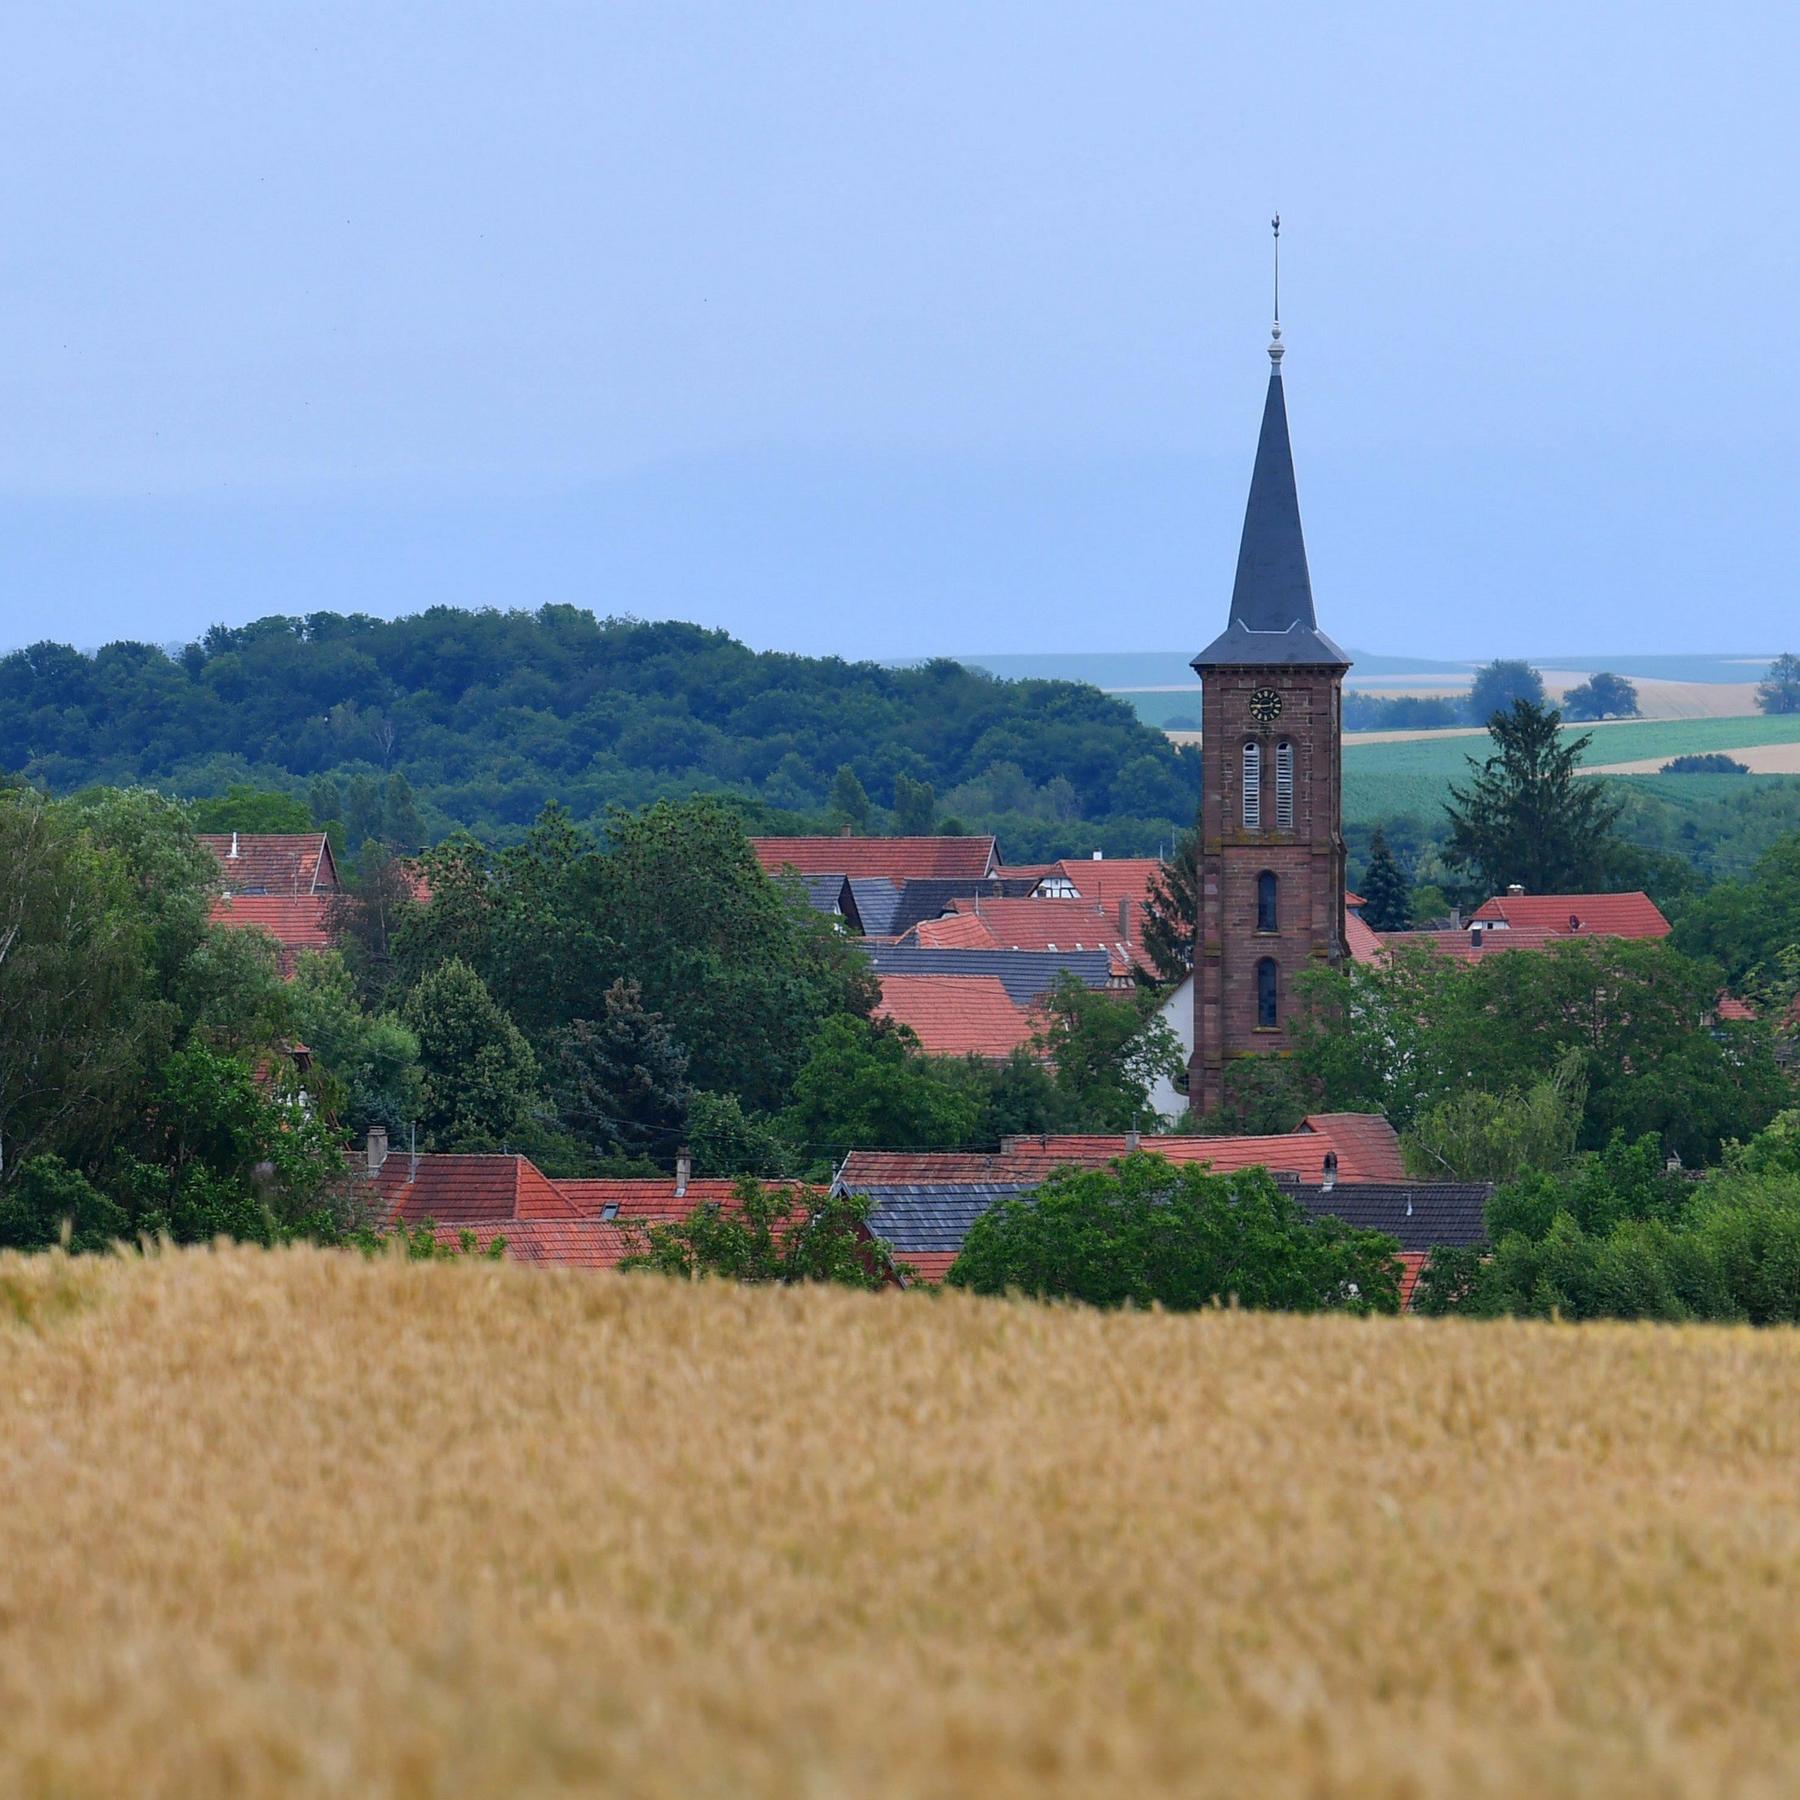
point(1633, 915)
point(1463, 947)
point(273, 862)
point(1365, 1145)
point(296, 922)
point(898, 859)
point(459, 1190)
point(955, 931)
point(654, 1199)
point(1352, 899)
point(956, 1015)
point(1729, 1006)
point(1362, 941)
point(559, 1243)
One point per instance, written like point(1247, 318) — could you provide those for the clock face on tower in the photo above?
point(1265, 706)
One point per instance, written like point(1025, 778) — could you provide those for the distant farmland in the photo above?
point(295, 1523)
point(1389, 780)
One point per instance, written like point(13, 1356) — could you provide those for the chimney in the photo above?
point(1125, 920)
point(1515, 890)
point(1328, 1174)
point(377, 1148)
point(234, 848)
point(684, 1167)
point(1099, 856)
point(1132, 1140)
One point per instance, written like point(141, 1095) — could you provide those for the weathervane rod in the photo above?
point(1275, 226)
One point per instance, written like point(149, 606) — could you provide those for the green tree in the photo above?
point(1170, 909)
point(478, 1074)
point(362, 811)
point(1144, 1233)
point(49, 1198)
point(1108, 1051)
point(1477, 1135)
point(1602, 697)
point(1499, 686)
point(915, 807)
point(770, 1236)
point(366, 1065)
point(866, 1086)
point(620, 1081)
point(726, 1141)
point(849, 800)
point(402, 828)
point(1526, 816)
point(1779, 690)
point(242, 808)
point(1386, 892)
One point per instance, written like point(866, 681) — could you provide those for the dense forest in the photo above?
point(486, 715)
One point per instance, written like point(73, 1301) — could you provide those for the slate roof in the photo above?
point(931, 897)
point(296, 922)
point(1272, 620)
point(956, 1015)
point(459, 1190)
point(877, 903)
point(273, 862)
point(898, 859)
point(1633, 915)
point(1420, 1216)
point(1027, 975)
point(912, 1219)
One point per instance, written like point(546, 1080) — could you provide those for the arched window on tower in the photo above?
point(1253, 786)
point(1284, 787)
point(1267, 994)
point(1268, 916)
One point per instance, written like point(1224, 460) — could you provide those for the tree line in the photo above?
point(482, 714)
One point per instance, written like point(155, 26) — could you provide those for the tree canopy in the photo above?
point(1146, 1232)
point(401, 730)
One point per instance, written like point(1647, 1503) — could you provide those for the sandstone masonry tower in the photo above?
point(1271, 865)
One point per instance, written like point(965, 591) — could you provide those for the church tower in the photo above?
point(1271, 864)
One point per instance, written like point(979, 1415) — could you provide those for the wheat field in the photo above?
point(298, 1523)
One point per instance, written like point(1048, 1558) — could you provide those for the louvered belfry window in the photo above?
point(1253, 786)
point(1284, 787)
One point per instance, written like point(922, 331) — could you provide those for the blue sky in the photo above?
point(889, 330)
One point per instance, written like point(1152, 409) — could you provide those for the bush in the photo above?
point(1712, 763)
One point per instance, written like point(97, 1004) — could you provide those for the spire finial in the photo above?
point(1276, 347)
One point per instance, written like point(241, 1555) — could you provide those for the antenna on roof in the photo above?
point(1276, 346)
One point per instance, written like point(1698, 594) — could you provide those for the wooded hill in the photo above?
point(489, 714)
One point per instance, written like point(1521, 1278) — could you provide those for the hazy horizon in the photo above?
point(883, 333)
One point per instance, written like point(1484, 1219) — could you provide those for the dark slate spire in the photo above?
point(1272, 618)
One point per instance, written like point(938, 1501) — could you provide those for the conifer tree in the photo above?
point(1527, 816)
point(1386, 892)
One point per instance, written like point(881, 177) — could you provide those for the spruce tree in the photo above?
point(1527, 816)
point(1386, 892)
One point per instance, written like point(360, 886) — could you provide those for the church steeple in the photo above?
point(1272, 618)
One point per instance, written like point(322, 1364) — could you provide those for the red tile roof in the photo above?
point(955, 931)
point(654, 1199)
point(1110, 879)
point(561, 1243)
point(1353, 900)
point(1633, 915)
point(273, 862)
point(1365, 1145)
point(295, 922)
point(1412, 1266)
point(1361, 940)
point(956, 1015)
point(1729, 1006)
point(466, 1190)
point(1463, 946)
point(899, 859)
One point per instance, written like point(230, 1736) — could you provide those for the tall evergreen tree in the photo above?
point(915, 806)
point(479, 1073)
point(402, 828)
point(1387, 894)
point(1527, 816)
point(1171, 908)
point(620, 1080)
point(849, 799)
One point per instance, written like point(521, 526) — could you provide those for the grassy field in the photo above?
point(298, 1523)
point(1389, 780)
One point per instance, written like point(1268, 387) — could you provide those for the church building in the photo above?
point(1271, 863)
